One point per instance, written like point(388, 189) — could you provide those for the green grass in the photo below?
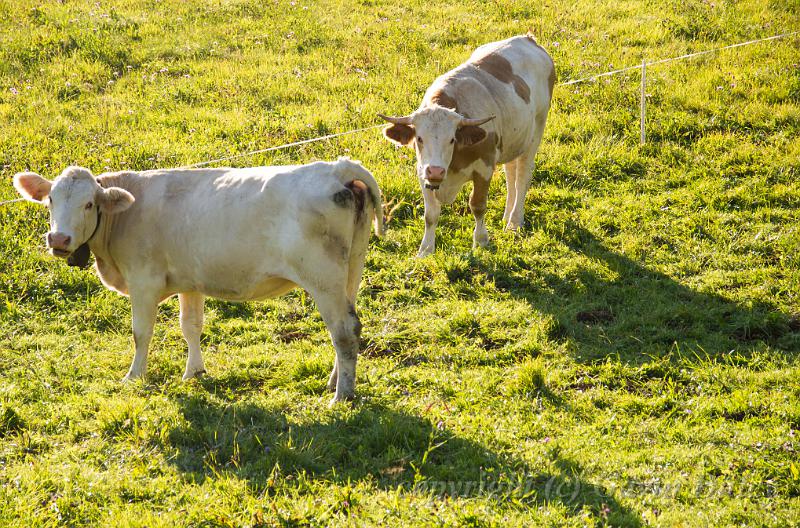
point(630, 359)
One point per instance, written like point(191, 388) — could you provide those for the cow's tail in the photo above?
point(348, 170)
point(367, 197)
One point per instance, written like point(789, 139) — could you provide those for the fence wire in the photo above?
point(566, 83)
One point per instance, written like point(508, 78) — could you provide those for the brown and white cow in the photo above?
point(492, 109)
point(235, 234)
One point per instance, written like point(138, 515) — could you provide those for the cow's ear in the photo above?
point(114, 200)
point(32, 186)
point(470, 135)
point(400, 134)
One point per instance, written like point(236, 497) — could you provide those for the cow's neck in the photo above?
point(100, 243)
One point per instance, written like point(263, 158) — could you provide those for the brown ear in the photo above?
point(470, 135)
point(114, 200)
point(400, 134)
point(32, 186)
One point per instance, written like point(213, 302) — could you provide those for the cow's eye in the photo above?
point(452, 140)
point(419, 140)
point(88, 205)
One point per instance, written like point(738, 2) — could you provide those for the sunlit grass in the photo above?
point(630, 359)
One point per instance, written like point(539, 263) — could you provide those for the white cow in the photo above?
point(505, 86)
point(235, 234)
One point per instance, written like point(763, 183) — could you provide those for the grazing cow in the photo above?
point(235, 234)
point(505, 86)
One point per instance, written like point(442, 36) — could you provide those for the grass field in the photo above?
point(631, 358)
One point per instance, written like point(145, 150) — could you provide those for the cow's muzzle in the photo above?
point(434, 176)
point(58, 244)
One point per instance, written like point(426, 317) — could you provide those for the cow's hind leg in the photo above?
point(144, 306)
point(524, 172)
point(345, 329)
point(477, 204)
point(355, 268)
point(192, 328)
point(511, 189)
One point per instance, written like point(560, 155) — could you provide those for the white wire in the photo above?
point(280, 147)
point(567, 83)
point(574, 81)
point(680, 57)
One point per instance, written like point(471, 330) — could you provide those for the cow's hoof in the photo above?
point(130, 378)
point(422, 253)
point(513, 227)
point(339, 398)
point(193, 374)
point(480, 241)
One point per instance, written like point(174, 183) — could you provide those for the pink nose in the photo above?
point(434, 174)
point(58, 240)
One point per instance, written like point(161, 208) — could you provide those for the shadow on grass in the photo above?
point(643, 313)
point(375, 444)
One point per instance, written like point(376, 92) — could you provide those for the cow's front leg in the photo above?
point(433, 209)
point(192, 328)
point(477, 204)
point(144, 306)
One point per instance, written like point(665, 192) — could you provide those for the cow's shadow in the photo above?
point(374, 444)
point(640, 314)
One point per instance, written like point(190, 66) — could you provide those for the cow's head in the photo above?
point(434, 132)
point(75, 201)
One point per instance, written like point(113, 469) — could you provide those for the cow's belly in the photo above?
point(232, 283)
point(231, 278)
point(265, 289)
point(517, 142)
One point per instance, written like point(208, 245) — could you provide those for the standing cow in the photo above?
point(235, 234)
point(505, 86)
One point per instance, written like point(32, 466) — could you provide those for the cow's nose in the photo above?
point(434, 174)
point(58, 240)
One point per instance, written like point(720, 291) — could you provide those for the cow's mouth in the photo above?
point(63, 253)
point(432, 186)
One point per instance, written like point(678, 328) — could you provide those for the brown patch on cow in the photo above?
point(479, 195)
point(360, 192)
point(400, 134)
point(499, 68)
point(464, 156)
point(444, 99)
point(470, 135)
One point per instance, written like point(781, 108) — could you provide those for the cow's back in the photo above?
point(511, 79)
point(228, 233)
